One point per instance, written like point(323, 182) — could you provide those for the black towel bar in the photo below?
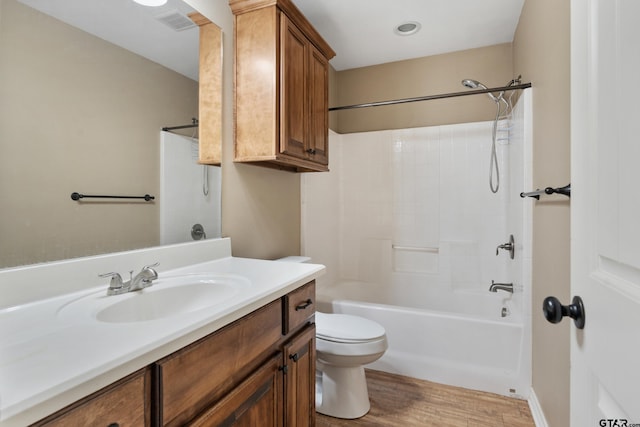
point(77, 196)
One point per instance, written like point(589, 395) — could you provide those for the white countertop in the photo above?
point(50, 358)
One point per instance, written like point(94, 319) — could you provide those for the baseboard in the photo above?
point(536, 411)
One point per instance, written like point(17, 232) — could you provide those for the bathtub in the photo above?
point(474, 340)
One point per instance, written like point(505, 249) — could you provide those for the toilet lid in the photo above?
point(347, 328)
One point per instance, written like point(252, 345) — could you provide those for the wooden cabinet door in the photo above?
point(257, 401)
point(300, 385)
point(293, 89)
point(318, 89)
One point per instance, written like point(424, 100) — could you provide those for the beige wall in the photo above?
point(541, 54)
point(78, 114)
point(418, 77)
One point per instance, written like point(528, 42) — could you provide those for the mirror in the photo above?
point(81, 114)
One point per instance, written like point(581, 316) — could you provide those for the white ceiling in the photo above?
point(133, 27)
point(360, 31)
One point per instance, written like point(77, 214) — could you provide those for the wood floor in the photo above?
point(407, 402)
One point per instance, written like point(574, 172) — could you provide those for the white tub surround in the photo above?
point(49, 360)
point(190, 192)
point(413, 247)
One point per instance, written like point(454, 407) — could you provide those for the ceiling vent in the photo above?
point(175, 20)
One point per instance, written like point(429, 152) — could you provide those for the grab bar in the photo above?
point(77, 196)
point(565, 191)
point(416, 249)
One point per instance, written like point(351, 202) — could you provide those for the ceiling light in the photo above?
point(151, 2)
point(407, 28)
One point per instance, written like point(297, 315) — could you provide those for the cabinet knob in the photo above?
point(294, 357)
point(311, 151)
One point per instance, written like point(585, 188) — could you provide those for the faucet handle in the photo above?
point(509, 246)
point(151, 268)
point(116, 280)
point(155, 264)
point(148, 273)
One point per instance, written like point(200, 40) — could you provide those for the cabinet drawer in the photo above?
point(299, 305)
point(197, 376)
point(124, 403)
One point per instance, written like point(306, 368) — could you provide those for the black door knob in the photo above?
point(554, 311)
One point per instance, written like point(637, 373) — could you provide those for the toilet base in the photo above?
point(344, 391)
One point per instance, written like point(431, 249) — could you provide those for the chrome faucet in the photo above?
point(495, 287)
point(143, 279)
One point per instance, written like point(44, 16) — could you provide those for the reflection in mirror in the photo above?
point(81, 114)
point(189, 207)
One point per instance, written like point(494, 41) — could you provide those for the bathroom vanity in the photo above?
point(248, 358)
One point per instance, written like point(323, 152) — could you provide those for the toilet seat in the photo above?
point(347, 329)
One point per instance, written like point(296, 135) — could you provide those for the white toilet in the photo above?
point(344, 343)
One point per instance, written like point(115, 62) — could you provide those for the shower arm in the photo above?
point(432, 97)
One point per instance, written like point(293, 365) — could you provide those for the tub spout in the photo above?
point(495, 287)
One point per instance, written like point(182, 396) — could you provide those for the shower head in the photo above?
point(474, 84)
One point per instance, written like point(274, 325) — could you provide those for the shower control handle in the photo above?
point(554, 311)
point(197, 232)
point(510, 246)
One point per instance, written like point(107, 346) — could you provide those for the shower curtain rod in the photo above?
point(194, 124)
point(430, 97)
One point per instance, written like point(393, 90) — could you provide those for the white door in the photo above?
point(605, 211)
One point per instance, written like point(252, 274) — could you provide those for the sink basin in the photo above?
point(169, 296)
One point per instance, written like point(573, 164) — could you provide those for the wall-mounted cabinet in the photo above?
point(281, 87)
point(210, 91)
